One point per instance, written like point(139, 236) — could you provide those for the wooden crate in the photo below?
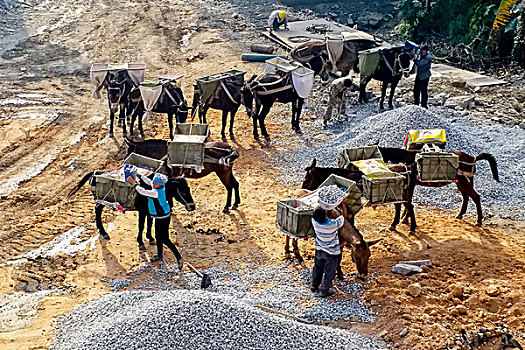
point(349, 155)
point(113, 191)
point(437, 166)
point(354, 201)
point(295, 218)
point(384, 190)
point(143, 162)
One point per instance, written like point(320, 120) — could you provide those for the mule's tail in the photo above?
point(80, 184)
point(492, 162)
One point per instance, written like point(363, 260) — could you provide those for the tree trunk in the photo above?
point(519, 40)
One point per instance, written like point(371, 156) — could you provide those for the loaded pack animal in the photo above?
point(393, 64)
point(219, 158)
point(226, 98)
point(464, 180)
point(176, 188)
point(314, 55)
point(349, 235)
point(265, 90)
point(171, 101)
point(119, 86)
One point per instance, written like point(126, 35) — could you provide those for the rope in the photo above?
point(228, 93)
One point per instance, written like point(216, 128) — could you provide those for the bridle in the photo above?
point(397, 64)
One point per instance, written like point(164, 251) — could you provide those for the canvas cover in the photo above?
point(374, 168)
point(208, 84)
point(150, 92)
point(99, 71)
point(368, 62)
point(425, 136)
point(302, 77)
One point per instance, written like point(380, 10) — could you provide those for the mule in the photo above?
point(393, 64)
point(171, 101)
point(265, 90)
point(350, 237)
point(119, 86)
point(464, 181)
point(226, 98)
point(219, 158)
point(314, 55)
point(175, 188)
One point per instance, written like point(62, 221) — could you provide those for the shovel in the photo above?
point(206, 280)
point(284, 314)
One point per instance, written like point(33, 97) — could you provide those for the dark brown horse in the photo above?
point(464, 180)
point(315, 56)
point(171, 101)
point(227, 98)
point(266, 90)
point(218, 158)
point(393, 64)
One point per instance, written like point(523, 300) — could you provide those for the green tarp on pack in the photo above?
point(208, 84)
point(368, 62)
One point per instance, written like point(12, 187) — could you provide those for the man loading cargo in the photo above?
point(277, 19)
point(326, 225)
point(338, 87)
point(160, 210)
point(423, 64)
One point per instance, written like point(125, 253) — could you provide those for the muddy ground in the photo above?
point(52, 133)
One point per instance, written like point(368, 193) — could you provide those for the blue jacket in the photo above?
point(423, 67)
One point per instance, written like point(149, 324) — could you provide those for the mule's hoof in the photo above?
point(152, 242)
point(105, 236)
point(142, 247)
point(235, 207)
point(479, 224)
point(412, 232)
point(226, 210)
point(267, 138)
point(256, 137)
point(459, 217)
point(298, 131)
point(111, 135)
point(392, 228)
point(155, 258)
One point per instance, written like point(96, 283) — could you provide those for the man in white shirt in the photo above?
point(326, 226)
point(277, 19)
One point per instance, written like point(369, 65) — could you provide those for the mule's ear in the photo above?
point(314, 162)
point(371, 243)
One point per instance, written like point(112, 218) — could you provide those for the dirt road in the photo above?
point(52, 133)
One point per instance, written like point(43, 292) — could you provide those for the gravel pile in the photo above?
point(182, 319)
point(276, 287)
point(331, 194)
point(505, 199)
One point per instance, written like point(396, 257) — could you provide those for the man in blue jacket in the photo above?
point(422, 64)
point(160, 210)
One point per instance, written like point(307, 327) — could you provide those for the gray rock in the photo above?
point(406, 270)
point(373, 23)
point(461, 101)
point(417, 262)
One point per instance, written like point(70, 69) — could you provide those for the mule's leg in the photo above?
point(111, 118)
point(464, 205)
point(405, 219)
point(392, 91)
point(287, 247)
point(202, 114)
point(224, 122)
point(226, 181)
point(232, 118)
point(294, 109)
point(477, 199)
point(412, 213)
point(297, 254)
point(255, 116)
point(397, 215)
point(298, 111)
point(132, 123)
point(262, 117)
point(122, 120)
point(141, 130)
point(235, 185)
point(384, 86)
point(98, 220)
point(170, 124)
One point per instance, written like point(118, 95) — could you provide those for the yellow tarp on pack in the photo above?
point(425, 136)
point(373, 168)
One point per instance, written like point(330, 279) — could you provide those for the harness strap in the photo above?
point(274, 91)
point(228, 93)
point(171, 97)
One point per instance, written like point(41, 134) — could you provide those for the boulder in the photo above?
point(493, 291)
point(417, 262)
point(461, 101)
point(414, 289)
point(461, 309)
point(456, 290)
point(406, 270)
point(373, 23)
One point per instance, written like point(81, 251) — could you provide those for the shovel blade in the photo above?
point(206, 281)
